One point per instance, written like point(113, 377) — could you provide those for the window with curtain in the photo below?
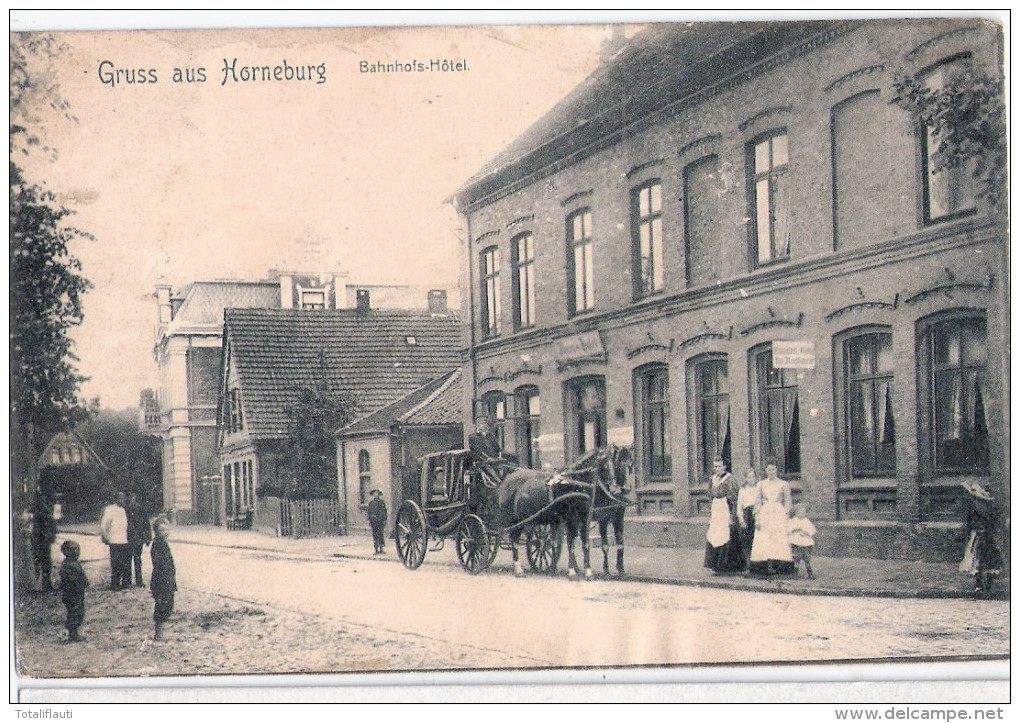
point(777, 414)
point(646, 225)
point(523, 262)
point(868, 365)
point(958, 360)
point(770, 198)
point(580, 264)
point(651, 386)
point(711, 415)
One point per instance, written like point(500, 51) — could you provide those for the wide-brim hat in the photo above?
point(976, 490)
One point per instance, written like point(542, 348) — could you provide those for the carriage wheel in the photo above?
point(412, 535)
point(544, 547)
point(473, 548)
point(493, 548)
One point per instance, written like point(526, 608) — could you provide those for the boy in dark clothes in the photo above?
point(377, 517)
point(163, 578)
point(72, 584)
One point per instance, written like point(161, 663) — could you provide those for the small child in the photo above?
point(72, 584)
point(163, 578)
point(802, 539)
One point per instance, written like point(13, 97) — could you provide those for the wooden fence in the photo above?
point(298, 518)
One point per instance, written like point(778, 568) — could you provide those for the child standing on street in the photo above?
point(72, 585)
point(163, 578)
point(802, 539)
point(377, 518)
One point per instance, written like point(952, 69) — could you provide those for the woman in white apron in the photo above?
point(771, 553)
point(723, 553)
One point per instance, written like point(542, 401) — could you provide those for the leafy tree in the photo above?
point(967, 120)
point(46, 286)
point(308, 455)
point(133, 458)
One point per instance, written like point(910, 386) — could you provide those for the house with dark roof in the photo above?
point(381, 451)
point(189, 336)
point(375, 356)
point(731, 240)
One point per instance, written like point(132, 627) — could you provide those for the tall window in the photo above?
point(490, 291)
point(494, 407)
point(234, 414)
point(869, 389)
point(646, 224)
point(948, 192)
point(705, 239)
point(580, 265)
point(523, 263)
point(651, 387)
point(586, 405)
point(777, 411)
point(958, 360)
point(770, 198)
point(711, 416)
point(528, 414)
point(364, 475)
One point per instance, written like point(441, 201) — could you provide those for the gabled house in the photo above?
point(271, 355)
point(381, 451)
point(68, 448)
point(188, 339)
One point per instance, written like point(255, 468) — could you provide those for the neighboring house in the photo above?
point(375, 355)
point(381, 451)
point(68, 448)
point(729, 241)
point(189, 336)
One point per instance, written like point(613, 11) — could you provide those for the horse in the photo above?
point(612, 502)
point(607, 470)
point(570, 499)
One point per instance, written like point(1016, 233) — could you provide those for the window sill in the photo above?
point(771, 262)
point(965, 213)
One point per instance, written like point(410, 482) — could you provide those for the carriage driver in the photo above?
point(483, 443)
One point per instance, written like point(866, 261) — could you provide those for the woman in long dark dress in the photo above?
point(723, 552)
point(982, 525)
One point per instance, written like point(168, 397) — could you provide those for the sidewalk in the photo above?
point(846, 576)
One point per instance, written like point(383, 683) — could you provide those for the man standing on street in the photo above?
point(139, 534)
point(377, 518)
point(113, 527)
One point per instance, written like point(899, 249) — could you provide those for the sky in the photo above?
point(179, 182)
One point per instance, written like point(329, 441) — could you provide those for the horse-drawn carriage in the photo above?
point(485, 505)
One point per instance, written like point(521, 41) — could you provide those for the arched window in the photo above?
point(527, 423)
point(364, 475)
point(776, 409)
point(646, 229)
point(711, 410)
point(580, 262)
point(494, 407)
point(586, 409)
point(651, 400)
point(522, 249)
point(770, 197)
point(490, 291)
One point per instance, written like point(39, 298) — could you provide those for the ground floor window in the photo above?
point(711, 410)
point(586, 408)
point(651, 396)
point(494, 407)
point(776, 413)
point(527, 424)
point(364, 476)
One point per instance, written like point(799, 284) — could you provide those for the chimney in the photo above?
point(286, 291)
point(363, 302)
point(437, 302)
point(164, 309)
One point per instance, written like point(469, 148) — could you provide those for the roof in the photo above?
point(66, 439)
point(378, 356)
point(205, 301)
point(661, 66)
point(436, 403)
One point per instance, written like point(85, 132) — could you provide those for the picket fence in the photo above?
point(298, 518)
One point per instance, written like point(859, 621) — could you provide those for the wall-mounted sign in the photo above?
point(580, 346)
point(793, 354)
